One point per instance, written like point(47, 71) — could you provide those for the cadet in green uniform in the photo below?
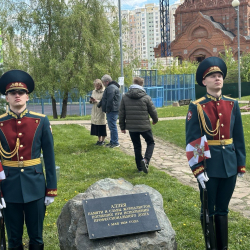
point(23, 134)
point(219, 118)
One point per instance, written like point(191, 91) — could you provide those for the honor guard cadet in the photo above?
point(23, 134)
point(218, 118)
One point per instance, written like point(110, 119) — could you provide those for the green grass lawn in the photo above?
point(70, 117)
point(82, 164)
point(170, 111)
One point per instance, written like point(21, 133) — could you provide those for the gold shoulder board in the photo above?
point(3, 115)
point(199, 100)
point(38, 114)
point(229, 97)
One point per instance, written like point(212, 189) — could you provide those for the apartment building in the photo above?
point(172, 10)
point(142, 32)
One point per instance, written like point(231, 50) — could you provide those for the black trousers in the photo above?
point(220, 191)
point(32, 213)
point(135, 137)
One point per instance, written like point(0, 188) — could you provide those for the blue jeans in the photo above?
point(112, 118)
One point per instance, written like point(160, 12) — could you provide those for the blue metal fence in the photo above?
point(173, 87)
point(163, 89)
point(157, 95)
point(75, 106)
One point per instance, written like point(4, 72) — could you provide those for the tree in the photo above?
point(245, 67)
point(66, 46)
point(186, 67)
point(232, 70)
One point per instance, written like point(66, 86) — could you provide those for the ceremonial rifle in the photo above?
point(206, 228)
point(2, 228)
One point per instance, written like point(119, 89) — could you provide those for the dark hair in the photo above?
point(138, 81)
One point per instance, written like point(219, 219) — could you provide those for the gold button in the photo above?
point(36, 121)
point(19, 122)
point(222, 125)
point(218, 104)
point(1, 124)
point(20, 134)
point(231, 103)
point(204, 106)
point(222, 136)
point(21, 157)
point(223, 147)
point(21, 146)
point(220, 114)
point(22, 170)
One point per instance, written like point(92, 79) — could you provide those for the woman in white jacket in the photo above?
point(98, 118)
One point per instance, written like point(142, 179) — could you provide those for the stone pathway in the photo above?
point(172, 160)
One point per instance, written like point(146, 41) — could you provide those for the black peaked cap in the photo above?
point(206, 64)
point(14, 76)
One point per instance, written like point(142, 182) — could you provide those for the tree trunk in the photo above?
point(54, 107)
point(64, 107)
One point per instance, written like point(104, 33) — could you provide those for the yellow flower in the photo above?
point(184, 224)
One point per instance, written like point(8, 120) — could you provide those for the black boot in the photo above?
point(212, 238)
point(17, 248)
point(221, 228)
point(36, 246)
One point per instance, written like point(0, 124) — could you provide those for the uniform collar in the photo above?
point(214, 98)
point(21, 115)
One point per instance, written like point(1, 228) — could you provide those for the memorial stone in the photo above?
point(72, 226)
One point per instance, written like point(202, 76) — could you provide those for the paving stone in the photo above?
point(235, 201)
point(240, 195)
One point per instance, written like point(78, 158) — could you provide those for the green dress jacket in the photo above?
point(25, 136)
point(228, 157)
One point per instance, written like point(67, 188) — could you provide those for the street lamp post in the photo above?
point(120, 30)
point(236, 4)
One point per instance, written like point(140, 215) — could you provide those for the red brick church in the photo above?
point(203, 27)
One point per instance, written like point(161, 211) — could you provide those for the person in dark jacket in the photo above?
point(135, 108)
point(110, 105)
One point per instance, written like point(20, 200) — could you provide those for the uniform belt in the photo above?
point(21, 164)
point(220, 142)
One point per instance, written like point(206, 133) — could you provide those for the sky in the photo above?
point(132, 4)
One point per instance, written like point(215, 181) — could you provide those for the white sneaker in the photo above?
point(144, 165)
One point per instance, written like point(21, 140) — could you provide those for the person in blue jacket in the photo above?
point(219, 118)
point(110, 105)
point(23, 134)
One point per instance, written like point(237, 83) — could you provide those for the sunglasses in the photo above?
point(19, 92)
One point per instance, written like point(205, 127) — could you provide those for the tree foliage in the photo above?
point(232, 70)
point(186, 67)
point(63, 45)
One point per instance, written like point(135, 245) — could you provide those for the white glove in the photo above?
point(48, 200)
point(2, 204)
point(202, 178)
point(240, 175)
